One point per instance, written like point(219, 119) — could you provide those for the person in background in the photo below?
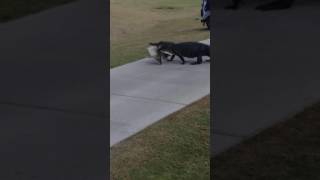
point(205, 13)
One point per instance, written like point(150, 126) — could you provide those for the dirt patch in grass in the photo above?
point(176, 147)
point(166, 7)
point(289, 150)
point(13, 9)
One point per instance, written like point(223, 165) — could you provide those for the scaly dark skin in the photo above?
point(185, 49)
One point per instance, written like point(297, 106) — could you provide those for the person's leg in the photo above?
point(208, 22)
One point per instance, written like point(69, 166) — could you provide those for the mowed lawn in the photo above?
point(287, 151)
point(13, 9)
point(174, 148)
point(135, 23)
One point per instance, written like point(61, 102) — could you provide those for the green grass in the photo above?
point(13, 9)
point(175, 148)
point(289, 150)
point(135, 23)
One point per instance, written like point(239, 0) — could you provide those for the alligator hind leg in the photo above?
point(199, 61)
point(182, 59)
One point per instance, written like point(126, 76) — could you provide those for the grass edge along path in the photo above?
point(176, 147)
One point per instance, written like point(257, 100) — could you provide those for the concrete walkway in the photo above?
point(143, 92)
point(53, 94)
point(266, 68)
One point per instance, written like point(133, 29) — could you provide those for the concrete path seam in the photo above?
point(30, 106)
point(150, 99)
